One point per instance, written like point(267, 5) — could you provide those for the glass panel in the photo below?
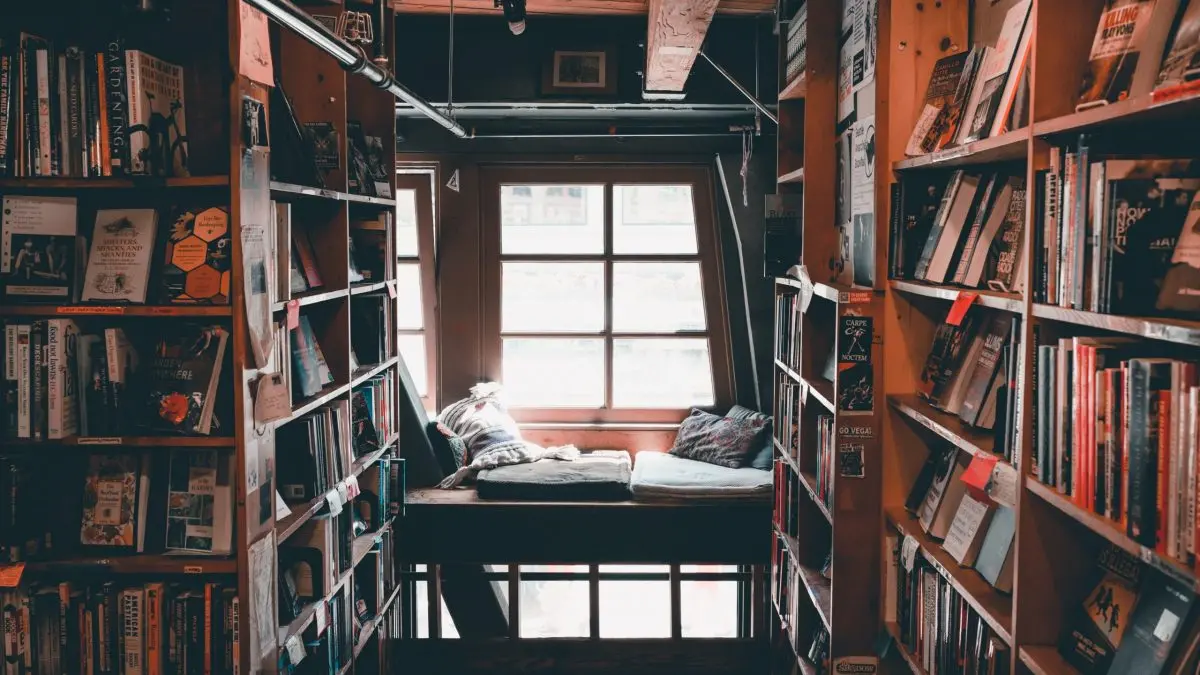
point(640, 569)
point(657, 297)
point(449, 630)
point(635, 609)
point(708, 609)
point(552, 219)
point(553, 297)
point(412, 350)
point(661, 373)
point(554, 372)
point(406, 222)
point(653, 219)
point(708, 569)
point(408, 291)
point(554, 609)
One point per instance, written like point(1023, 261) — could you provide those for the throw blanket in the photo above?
point(658, 476)
point(601, 475)
point(491, 435)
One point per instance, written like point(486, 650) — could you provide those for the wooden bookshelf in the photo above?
point(1181, 331)
point(909, 658)
point(796, 89)
point(809, 483)
point(949, 427)
point(1140, 110)
point(1009, 302)
point(1008, 147)
point(204, 38)
point(1045, 660)
point(794, 176)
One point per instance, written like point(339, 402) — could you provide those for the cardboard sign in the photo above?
point(959, 309)
point(979, 475)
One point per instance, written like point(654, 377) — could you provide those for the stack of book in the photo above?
point(787, 416)
point(787, 329)
point(826, 460)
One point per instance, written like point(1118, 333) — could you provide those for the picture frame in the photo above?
point(580, 72)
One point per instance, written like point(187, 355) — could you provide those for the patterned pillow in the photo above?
point(765, 455)
point(483, 422)
point(448, 447)
point(723, 441)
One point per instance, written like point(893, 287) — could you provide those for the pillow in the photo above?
point(448, 447)
point(723, 441)
point(764, 457)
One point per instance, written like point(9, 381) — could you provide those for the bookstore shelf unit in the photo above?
point(229, 94)
point(1058, 541)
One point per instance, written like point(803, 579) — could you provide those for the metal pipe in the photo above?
point(737, 85)
point(351, 57)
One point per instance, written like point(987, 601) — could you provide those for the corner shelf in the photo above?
point(1006, 147)
point(994, 607)
point(1009, 302)
point(817, 586)
point(809, 481)
point(365, 373)
point(910, 659)
point(1181, 331)
point(796, 89)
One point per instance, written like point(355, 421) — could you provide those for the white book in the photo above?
point(155, 87)
point(83, 379)
point(118, 266)
point(133, 602)
point(62, 348)
point(43, 104)
point(951, 231)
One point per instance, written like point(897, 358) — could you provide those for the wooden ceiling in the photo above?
point(568, 7)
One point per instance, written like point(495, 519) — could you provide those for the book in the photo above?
point(1096, 627)
point(995, 559)
point(991, 84)
point(112, 503)
point(1126, 50)
point(1181, 284)
point(940, 96)
point(38, 248)
point(158, 141)
point(199, 503)
point(1180, 72)
point(118, 265)
point(197, 257)
point(946, 490)
point(182, 388)
point(966, 535)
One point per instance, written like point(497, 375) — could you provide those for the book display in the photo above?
point(1041, 337)
point(201, 377)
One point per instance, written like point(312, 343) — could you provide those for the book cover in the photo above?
point(1162, 607)
point(939, 96)
point(118, 265)
point(1125, 52)
point(62, 353)
point(781, 233)
point(1004, 251)
point(994, 74)
point(184, 370)
point(37, 248)
point(995, 559)
point(1096, 628)
point(197, 258)
point(199, 503)
point(1181, 284)
point(110, 498)
point(1180, 72)
point(158, 142)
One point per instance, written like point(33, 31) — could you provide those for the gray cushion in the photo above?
point(723, 441)
point(764, 456)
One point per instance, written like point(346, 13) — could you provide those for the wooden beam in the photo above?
point(674, 35)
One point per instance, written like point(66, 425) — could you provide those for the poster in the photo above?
point(255, 59)
point(862, 202)
point(256, 226)
point(856, 375)
point(845, 82)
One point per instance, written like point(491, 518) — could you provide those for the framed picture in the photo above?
point(580, 72)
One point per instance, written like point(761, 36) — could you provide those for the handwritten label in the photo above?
point(193, 569)
point(908, 552)
point(10, 575)
point(85, 309)
point(352, 488)
point(98, 440)
point(271, 399)
point(334, 498)
point(295, 649)
point(959, 309)
point(293, 314)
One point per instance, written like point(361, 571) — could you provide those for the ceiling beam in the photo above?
point(675, 32)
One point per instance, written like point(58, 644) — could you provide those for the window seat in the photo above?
point(456, 526)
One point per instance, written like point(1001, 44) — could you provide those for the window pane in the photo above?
point(637, 569)
point(635, 609)
point(657, 297)
point(661, 373)
point(449, 630)
point(406, 222)
point(412, 350)
point(554, 609)
point(552, 218)
point(708, 609)
point(408, 291)
point(554, 372)
point(653, 219)
point(553, 297)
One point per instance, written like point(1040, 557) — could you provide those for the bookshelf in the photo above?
point(1058, 541)
point(218, 44)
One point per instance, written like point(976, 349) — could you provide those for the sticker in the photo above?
point(293, 314)
point(193, 569)
point(856, 665)
point(335, 501)
point(908, 552)
point(856, 431)
point(850, 460)
point(10, 575)
point(271, 399)
point(959, 309)
point(254, 123)
point(453, 183)
point(856, 374)
point(1167, 623)
point(295, 650)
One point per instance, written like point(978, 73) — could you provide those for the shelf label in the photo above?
point(295, 649)
point(193, 569)
point(112, 310)
point(334, 498)
point(10, 575)
point(856, 665)
point(98, 440)
point(908, 552)
point(293, 314)
point(352, 488)
point(959, 309)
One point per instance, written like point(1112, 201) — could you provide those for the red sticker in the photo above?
point(959, 309)
point(293, 314)
point(978, 475)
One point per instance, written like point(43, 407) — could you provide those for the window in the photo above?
point(415, 281)
point(603, 293)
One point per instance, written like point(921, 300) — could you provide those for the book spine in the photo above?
point(54, 383)
point(64, 642)
point(42, 57)
point(1160, 441)
point(37, 412)
point(1139, 452)
point(132, 631)
point(154, 647)
point(207, 636)
point(75, 113)
point(6, 111)
point(116, 108)
point(59, 106)
point(104, 145)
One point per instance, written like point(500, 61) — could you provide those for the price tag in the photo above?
point(392, 293)
point(295, 648)
point(908, 552)
point(10, 575)
point(322, 618)
point(293, 314)
point(335, 502)
point(352, 488)
point(193, 569)
point(98, 440)
point(343, 493)
point(959, 309)
point(271, 399)
point(803, 393)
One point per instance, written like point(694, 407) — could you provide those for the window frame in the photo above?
point(711, 273)
point(421, 182)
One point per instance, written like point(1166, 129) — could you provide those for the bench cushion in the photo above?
point(602, 475)
point(661, 476)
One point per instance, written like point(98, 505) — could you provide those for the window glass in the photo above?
point(661, 373)
point(410, 315)
point(657, 297)
point(635, 609)
point(554, 372)
point(406, 223)
point(551, 219)
point(650, 219)
point(708, 609)
point(412, 350)
point(553, 297)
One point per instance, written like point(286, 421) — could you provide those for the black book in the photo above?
point(1097, 627)
point(1163, 606)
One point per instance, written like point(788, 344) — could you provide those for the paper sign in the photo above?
point(282, 510)
point(343, 493)
point(322, 618)
point(10, 575)
point(978, 475)
point(1003, 487)
point(908, 552)
point(352, 488)
point(391, 289)
point(295, 650)
point(335, 502)
point(271, 399)
point(856, 665)
point(255, 61)
point(806, 289)
point(959, 309)
point(293, 314)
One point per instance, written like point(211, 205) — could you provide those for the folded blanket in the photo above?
point(658, 476)
point(602, 475)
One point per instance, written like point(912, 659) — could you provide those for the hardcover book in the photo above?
point(199, 503)
point(158, 142)
point(1098, 626)
point(184, 373)
point(110, 501)
point(37, 248)
point(118, 266)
